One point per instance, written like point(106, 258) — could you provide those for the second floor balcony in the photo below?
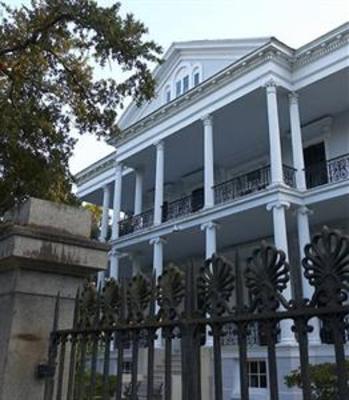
point(239, 186)
point(230, 190)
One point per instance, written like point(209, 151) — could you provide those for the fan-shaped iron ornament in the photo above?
point(216, 285)
point(87, 306)
point(326, 265)
point(139, 294)
point(266, 276)
point(111, 303)
point(170, 292)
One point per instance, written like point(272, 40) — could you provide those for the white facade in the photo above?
point(245, 140)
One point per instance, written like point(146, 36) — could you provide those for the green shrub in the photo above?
point(323, 379)
point(86, 381)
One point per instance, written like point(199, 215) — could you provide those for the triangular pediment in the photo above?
point(187, 64)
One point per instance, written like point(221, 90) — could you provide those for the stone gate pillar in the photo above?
point(44, 249)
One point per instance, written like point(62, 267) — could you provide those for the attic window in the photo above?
point(185, 83)
point(178, 88)
point(196, 78)
point(167, 94)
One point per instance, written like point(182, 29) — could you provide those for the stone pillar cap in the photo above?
point(56, 216)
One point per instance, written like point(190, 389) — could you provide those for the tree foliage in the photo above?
point(96, 219)
point(48, 52)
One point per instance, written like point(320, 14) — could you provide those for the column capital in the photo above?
point(139, 170)
point(207, 120)
point(157, 240)
point(159, 145)
point(293, 97)
point(278, 204)
point(209, 225)
point(135, 254)
point(304, 210)
point(114, 253)
point(118, 165)
point(271, 85)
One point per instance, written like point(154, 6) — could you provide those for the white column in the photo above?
point(208, 161)
point(274, 134)
point(280, 241)
point(104, 226)
point(159, 183)
point(136, 264)
point(296, 140)
point(105, 213)
point(117, 200)
point(138, 206)
point(158, 255)
point(303, 239)
point(210, 229)
point(158, 265)
point(114, 264)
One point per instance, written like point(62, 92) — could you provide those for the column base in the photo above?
point(278, 185)
point(287, 343)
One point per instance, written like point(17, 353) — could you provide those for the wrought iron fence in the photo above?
point(330, 171)
point(182, 304)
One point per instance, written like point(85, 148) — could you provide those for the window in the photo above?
point(127, 367)
point(185, 83)
point(196, 78)
point(167, 94)
point(178, 88)
point(257, 374)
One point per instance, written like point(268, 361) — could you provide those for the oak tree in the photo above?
point(48, 87)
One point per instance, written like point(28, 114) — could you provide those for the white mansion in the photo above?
point(247, 139)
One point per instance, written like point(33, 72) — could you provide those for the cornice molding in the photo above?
point(95, 170)
point(320, 49)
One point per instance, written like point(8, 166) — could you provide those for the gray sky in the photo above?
point(295, 22)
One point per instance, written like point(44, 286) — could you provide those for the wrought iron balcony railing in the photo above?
point(239, 186)
point(255, 336)
point(177, 208)
point(289, 175)
point(330, 171)
point(136, 222)
point(251, 182)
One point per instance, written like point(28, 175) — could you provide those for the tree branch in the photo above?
point(35, 34)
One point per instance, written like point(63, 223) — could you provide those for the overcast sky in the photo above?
point(295, 22)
